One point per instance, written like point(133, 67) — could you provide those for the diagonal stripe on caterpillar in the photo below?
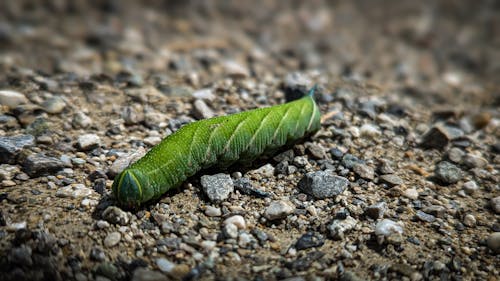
point(219, 141)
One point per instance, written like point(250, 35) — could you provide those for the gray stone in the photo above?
point(12, 99)
point(470, 187)
point(370, 131)
point(97, 254)
point(376, 211)
point(10, 147)
point(435, 210)
point(88, 142)
point(322, 184)
point(7, 171)
point(112, 239)
point(440, 135)
point(201, 110)
point(54, 105)
point(217, 187)
point(493, 242)
point(455, 155)
point(165, 265)
point(74, 191)
point(474, 161)
point(125, 160)
point(39, 164)
point(391, 179)
point(316, 150)
point(132, 115)
point(264, 171)
point(338, 228)
point(425, 217)
point(495, 204)
point(81, 120)
point(115, 215)
point(447, 172)
point(364, 171)
point(204, 94)
point(296, 85)
point(230, 231)
point(143, 274)
point(279, 210)
point(349, 160)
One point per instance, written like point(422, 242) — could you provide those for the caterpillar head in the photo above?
point(129, 188)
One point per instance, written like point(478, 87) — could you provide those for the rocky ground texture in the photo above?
point(400, 183)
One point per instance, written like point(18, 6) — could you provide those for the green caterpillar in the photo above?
point(219, 141)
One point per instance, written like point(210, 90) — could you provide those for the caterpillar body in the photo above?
point(219, 141)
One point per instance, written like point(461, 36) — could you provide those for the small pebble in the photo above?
point(165, 265)
point(376, 211)
point(11, 98)
point(470, 187)
point(279, 210)
point(364, 171)
point(115, 215)
point(217, 187)
point(112, 239)
point(81, 120)
point(201, 110)
point(469, 220)
point(237, 220)
point(387, 227)
point(213, 211)
point(493, 242)
point(74, 191)
point(10, 147)
point(455, 155)
point(322, 184)
point(391, 179)
point(370, 131)
point(411, 193)
point(495, 204)
point(204, 94)
point(424, 216)
point(143, 274)
point(230, 231)
point(88, 142)
point(447, 172)
point(54, 105)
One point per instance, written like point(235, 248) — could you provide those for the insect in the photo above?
point(215, 142)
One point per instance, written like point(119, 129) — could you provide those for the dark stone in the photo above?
point(309, 240)
point(244, 186)
point(439, 136)
point(336, 153)
point(349, 160)
point(10, 147)
point(424, 216)
point(39, 164)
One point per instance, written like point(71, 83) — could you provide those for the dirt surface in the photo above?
point(408, 152)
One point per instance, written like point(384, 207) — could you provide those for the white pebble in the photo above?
point(237, 220)
point(387, 227)
point(411, 193)
point(213, 211)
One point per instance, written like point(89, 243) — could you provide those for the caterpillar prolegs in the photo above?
point(219, 141)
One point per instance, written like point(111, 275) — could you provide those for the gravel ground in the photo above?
point(400, 183)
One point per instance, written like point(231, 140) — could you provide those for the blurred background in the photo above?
point(441, 52)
